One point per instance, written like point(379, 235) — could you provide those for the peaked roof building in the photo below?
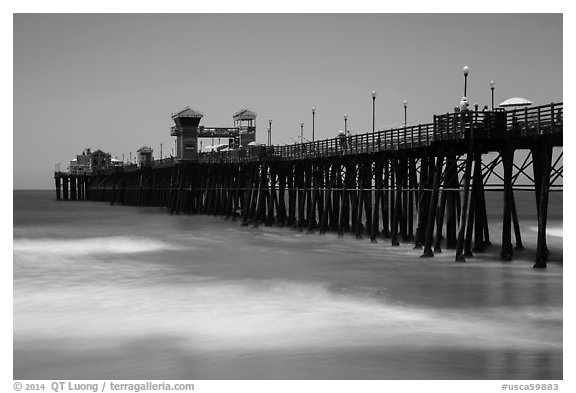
point(187, 112)
point(244, 114)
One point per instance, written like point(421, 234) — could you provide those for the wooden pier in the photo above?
point(419, 184)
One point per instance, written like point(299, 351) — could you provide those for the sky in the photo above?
point(111, 81)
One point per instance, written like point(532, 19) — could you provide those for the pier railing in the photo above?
point(460, 125)
point(543, 119)
point(450, 126)
point(164, 162)
point(536, 120)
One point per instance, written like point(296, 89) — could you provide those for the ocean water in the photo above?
point(117, 292)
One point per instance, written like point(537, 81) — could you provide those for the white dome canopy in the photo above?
point(515, 101)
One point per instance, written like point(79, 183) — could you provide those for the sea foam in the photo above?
point(88, 246)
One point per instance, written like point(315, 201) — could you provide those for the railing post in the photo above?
point(553, 119)
point(525, 121)
point(420, 132)
point(405, 139)
point(385, 141)
point(539, 128)
point(368, 137)
point(474, 124)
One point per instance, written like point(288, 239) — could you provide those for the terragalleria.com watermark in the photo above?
point(66, 386)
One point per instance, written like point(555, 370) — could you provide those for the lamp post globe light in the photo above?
point(346, 124)
point(373, 110)
point(492, 85)
point(313, 115)
point(269, 132)
point(405, 113)
point(302, 132)
point(466, 70)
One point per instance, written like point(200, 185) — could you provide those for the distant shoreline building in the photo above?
point(90, 162)
point(81, 164)
point(144, 156)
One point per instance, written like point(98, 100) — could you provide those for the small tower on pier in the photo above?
point(186, 132)
point(144, 156)
point(245, 121)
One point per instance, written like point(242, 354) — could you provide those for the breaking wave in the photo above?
point(88, 246)
point(268, 315)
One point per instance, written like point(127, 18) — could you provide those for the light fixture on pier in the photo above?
point(466, 70)
point(373, 110)
point(269, 132)
point(313, 115)
point(492, 85)
point(302, 132)
point(345, 123)
point(405, 113)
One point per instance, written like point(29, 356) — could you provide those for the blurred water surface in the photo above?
point(104, 292)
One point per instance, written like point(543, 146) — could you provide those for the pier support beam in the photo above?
point(336, 195)
point(440, 218)
point(432, 208)
point(507, 162)
point(452, 200)
point(545, 158)
point(327, 179)
point(461, 230)
point(516, 223)
point(422, 203)
point(412, 182)
point(65, 187)
point(397, 207)
point(72, 188)
point(480, 224)
point(377, 198)
point(385, 201)
point(57, 183)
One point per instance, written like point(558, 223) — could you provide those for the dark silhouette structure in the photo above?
point(419, 184)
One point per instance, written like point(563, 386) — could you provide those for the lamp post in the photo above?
point(301, 132)
point(313, 115)
point(346, 124)
point(405, 111)
point(492, 84)
point(269, 132)
point(160, 151)
point(466, 69)
point(373, 110)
